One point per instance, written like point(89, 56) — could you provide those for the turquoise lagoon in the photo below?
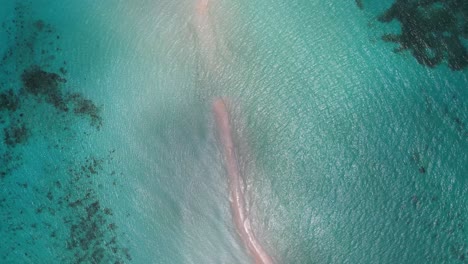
point(350, 152)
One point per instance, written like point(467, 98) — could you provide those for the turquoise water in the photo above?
point(351, 153)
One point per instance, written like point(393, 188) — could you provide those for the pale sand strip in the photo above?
point(241, 220)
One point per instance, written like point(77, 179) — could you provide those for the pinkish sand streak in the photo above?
point(205, 33)
point(239, 214)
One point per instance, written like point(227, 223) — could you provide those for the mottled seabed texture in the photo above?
point(350, 120)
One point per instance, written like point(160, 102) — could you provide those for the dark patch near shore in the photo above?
point(432, 31)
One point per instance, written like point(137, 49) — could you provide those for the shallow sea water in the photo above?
point(350, 153)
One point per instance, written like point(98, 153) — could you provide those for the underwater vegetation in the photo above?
point(38, 82)
point(432, 31)
point(8, 101)
point(68, 215)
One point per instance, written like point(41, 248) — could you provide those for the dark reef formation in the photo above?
point(45, 84)
point(71, 212)
point(15, 134)
point(33, 87)
point(85, 107)
point(29, 70)
point(92, 237)
point(431, 30)
point(41, 83)
point(9, 101)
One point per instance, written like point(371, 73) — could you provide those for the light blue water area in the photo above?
point(365, 149)
point(350, 152)
point(107, 154)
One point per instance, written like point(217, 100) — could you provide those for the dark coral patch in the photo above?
point(69, 204)
point(39, 82)
point(86, 107)
point(431, 30)
point(107, 211)
point(91, 235)
point(15, 134)
point(9, 101)
point(92, 209)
